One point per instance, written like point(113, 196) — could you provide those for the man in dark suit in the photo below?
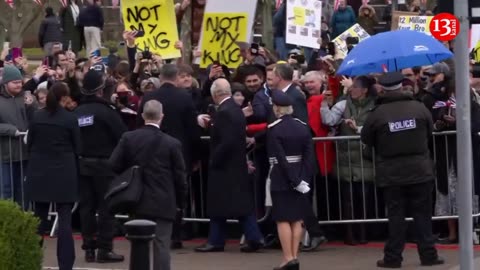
point(164, 176)
point(180, 122)
point(230, 193)
point(282, 80)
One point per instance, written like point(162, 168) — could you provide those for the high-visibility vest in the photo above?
point(476, 52)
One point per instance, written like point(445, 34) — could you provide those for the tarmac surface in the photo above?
point(330, 256)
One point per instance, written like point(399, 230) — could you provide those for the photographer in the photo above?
point(127, 102)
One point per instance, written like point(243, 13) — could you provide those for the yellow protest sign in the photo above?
point(156, 18)
point(299, 13)
point(220, 32)
point(415, 23)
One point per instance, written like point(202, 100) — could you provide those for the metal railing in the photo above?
point(332, 192)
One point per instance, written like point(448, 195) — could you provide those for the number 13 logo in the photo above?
point(444, 26)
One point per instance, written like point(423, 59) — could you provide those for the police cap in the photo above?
point(281, 99)
point(391, 81)
point(93, 82)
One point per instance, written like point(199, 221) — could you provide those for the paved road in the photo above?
point(331, 256)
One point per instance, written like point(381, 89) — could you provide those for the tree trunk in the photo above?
point(186, 36)
point(267, 24)
point(17, 20)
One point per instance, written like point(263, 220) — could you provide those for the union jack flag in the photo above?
point(10, 3)
point(337, 3)
point(38, 2)
point(64, 3)
point(450, 103)
point(115, 3)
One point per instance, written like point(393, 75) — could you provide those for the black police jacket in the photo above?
point(100, 127)
point(399, 128)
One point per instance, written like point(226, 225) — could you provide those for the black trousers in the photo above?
point(97, 234)
point(65, 243)
point(418, 199)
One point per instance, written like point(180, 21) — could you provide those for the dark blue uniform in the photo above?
point(290, 151)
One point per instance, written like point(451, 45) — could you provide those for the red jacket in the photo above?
point(325, 150)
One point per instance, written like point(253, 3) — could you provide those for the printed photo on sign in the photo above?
point(341, 41)
point(221, 32)
point(156, 18)
point(402, 125)
point(303, 19)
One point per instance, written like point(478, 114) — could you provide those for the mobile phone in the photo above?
point(96, 53)
point(16, 53)
point(46, 61)
point(254, 48)
point(216, 63)
point(140, 33)
point(331, 48)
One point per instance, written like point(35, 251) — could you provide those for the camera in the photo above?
point(146, 54)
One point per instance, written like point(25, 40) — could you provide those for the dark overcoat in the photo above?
point(230, 191)
point(53, 142)
point(164, 174)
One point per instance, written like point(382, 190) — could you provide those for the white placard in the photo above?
point(304, 22)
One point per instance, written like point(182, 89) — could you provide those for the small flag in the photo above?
point(64, 3)
point(365, 2)
point(385, 68)
point(115, 3)
point(10, 3)
point(38, 2)
point(278, 4)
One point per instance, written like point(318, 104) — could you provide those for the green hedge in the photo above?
point(19, 242)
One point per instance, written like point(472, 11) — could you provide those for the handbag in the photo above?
point(125, 191)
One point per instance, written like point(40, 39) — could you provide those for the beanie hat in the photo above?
point(10, 74)
point(93, 82)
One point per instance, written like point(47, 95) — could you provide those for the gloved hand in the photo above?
point(302, 187)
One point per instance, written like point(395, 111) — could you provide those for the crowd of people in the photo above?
point(85, 121)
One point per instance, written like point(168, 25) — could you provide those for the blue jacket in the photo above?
point(342, 19)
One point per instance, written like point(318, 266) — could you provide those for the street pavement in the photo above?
point(333, 256)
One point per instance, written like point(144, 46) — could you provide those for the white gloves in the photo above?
point(303, 187)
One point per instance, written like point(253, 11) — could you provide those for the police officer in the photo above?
point(290, 152)
point(101, 128)
point(399, 129)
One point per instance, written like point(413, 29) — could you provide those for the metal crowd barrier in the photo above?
point(328, 199)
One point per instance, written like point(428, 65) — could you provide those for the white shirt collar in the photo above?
point(286, 88)
point(153, 125)
point(223, 101)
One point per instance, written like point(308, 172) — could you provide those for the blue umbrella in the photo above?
point(394, 50)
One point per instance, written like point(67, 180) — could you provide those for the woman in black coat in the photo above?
point(53, 142)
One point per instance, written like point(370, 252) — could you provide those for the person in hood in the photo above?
point(16, 109)
point(50, 32)
point(367, 19)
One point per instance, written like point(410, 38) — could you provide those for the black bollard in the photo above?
point(140, 232)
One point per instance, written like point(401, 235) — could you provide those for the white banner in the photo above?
point(304, 22)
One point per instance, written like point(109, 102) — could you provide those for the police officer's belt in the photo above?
point(290, 159)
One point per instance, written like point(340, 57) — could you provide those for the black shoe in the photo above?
point(209, 248)
point(437, 261)
point(447, 241)
point(90, 255)
point(291, 265)
point(104, 256)
point(315, 242)
point(176, 245)
point(251, 247)
point(384, 264)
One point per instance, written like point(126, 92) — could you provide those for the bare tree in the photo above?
point(16, 21)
